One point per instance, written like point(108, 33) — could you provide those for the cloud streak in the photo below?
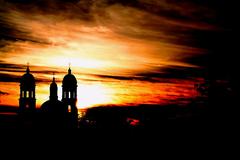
point(3, 93)
point(139, 33)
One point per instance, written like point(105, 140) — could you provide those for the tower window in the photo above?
point(73, 95)
point(69, 109)
point(69, 94)
point(27, 94)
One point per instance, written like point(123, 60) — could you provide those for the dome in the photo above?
point(53, 114)
point(69, 79)
point(27, 79)
point(53, 107)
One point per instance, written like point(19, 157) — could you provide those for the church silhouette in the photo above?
point(52, 113)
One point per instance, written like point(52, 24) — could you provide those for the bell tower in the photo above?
point(27, 100)
point(69, 94)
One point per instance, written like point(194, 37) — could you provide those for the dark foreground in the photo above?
point(196, 114)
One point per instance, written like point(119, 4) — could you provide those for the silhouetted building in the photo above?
point(53, 111)
point(27, 100)
point(53, 105)
point(69, 95)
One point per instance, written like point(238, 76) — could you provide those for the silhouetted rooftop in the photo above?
point(53, 106)
point(27, 79)
point(69, 79)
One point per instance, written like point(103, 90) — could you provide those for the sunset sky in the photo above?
point(122, 52)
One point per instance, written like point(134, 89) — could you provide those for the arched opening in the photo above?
point(73, 95)
point(69, 94)
point(69, 108)
point(64, 95)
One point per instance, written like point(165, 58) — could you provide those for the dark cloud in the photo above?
point(9, 78)
point(10, 32)
point(114, 77)
point(13, 72)
point(73, 9)
point(3, 93)
point(8, 70)
point(179, 20)
point(167, 74)
point(202, 60)
point(208, 25)
point(157, 21)
point(11, 67)
point(139, 77)
point(173, 72)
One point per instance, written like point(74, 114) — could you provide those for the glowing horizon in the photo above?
point(114, 92)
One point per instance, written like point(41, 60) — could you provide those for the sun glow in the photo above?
point(90, 95)
point(76, 62)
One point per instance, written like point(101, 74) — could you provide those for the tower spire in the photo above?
point(53, 77)
point(69, 68)
point(28, 70)
point(53, 89)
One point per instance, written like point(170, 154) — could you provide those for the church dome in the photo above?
point(69, 79)
point(53, 107)
point(53, 114)
point(27, 79)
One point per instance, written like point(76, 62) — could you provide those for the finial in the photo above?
point(69, 69)
point(53, 77)
point(27, 68)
